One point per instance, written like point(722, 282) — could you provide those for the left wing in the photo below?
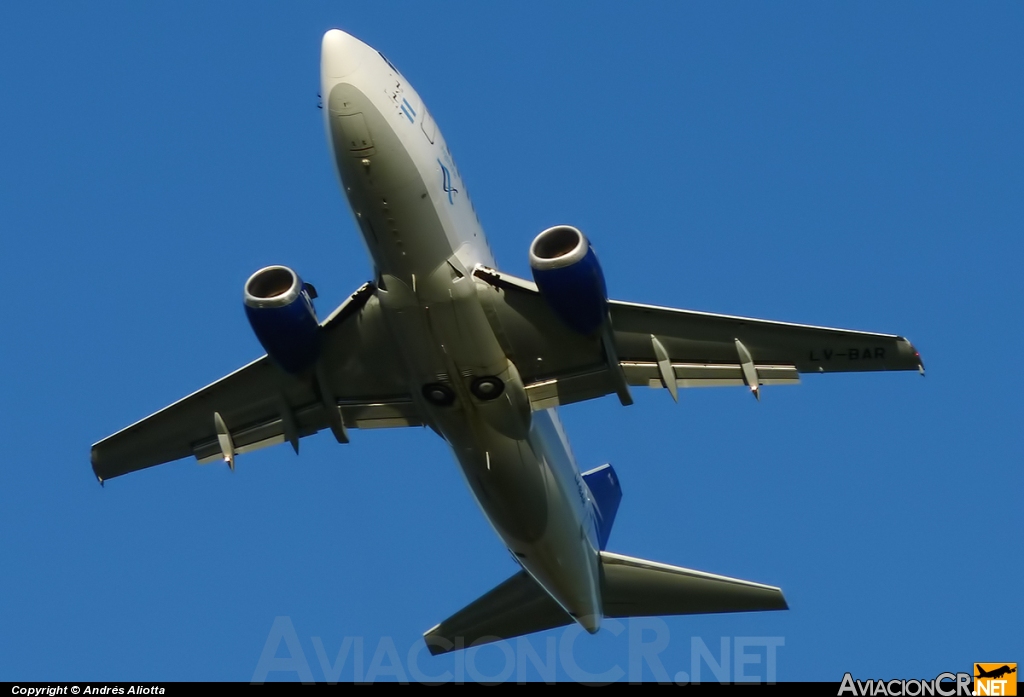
point(664, 347)
point(356, 384)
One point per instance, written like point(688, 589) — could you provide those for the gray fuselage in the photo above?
point(424, 238)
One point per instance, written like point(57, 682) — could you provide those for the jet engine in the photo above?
point(280, 310)
point(569, 278)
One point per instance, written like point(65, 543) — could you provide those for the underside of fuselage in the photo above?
point(424, 239)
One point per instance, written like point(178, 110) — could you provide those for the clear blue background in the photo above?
point(848, 165)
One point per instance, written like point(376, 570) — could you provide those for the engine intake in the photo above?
point(280, 310)
point(569, 278)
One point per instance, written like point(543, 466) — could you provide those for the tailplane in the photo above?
point(630, 587)
point(516, 607)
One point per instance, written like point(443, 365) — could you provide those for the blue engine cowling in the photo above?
point(280, 309)
point(570, 278)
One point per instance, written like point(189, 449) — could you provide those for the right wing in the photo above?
point(666, 347)
point(357, 385)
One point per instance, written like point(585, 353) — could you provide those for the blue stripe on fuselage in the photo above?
point(409, 112)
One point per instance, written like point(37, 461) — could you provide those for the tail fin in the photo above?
point(604, 485)
point(630, 587)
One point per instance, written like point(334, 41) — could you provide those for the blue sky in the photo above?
point(847, 165)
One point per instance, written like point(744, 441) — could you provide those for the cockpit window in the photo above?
point(387, 61)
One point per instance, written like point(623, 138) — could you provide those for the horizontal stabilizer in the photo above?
point(516, 607)
point(630, 587)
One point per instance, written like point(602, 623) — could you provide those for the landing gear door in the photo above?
point(356, 135)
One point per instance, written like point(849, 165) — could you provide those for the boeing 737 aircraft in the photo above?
point(442, 338)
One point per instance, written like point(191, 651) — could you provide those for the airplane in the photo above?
point(442, 338)
point(995, 673)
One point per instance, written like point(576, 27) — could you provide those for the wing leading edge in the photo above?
point(356, 385)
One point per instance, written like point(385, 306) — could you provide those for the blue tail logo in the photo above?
point(604, 485)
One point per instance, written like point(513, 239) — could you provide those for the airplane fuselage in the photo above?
point(425, 239)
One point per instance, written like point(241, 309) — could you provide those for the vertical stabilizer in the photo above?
point(604, 485)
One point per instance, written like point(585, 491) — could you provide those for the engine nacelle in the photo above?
point(280, 309)
point(570, 278)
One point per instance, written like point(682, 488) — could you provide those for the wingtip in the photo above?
point(438, 650)
point(437, 645)
point(920, 361)
point(914, 352)
point(95, 468)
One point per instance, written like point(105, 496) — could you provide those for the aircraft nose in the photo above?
point(340, 54)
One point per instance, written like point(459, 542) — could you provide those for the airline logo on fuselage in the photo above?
point(446, 183)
